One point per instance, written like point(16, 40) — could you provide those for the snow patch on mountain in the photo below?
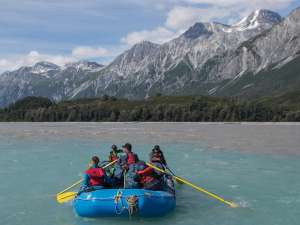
point(42, 68)
point(85, 66)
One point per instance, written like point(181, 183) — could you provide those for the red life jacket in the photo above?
point(113, 158)
point(96, 176)
point(131, 158)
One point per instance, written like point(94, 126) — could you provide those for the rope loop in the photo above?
point(132, 202)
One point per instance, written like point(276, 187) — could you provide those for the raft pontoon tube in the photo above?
point(124, 202)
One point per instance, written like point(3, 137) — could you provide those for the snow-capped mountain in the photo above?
point(44, 79)
point(209, 58)
point(44, 68)
point(85, 66)
point(148, 68)
point(260, 19)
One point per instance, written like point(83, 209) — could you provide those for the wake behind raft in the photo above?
point(124, 202)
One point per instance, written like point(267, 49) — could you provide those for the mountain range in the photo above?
point(258, 56)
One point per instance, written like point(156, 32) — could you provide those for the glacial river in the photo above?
point(256, 165)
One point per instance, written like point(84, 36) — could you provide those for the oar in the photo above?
point(231, 204)
point(65, 196)
point(172, 173)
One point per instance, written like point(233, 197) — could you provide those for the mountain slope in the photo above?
point(273, 81)
point(44, 79)
point(257, 56)
point(148, 68)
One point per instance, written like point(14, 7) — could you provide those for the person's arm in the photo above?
point(164, 160)
point(85, 181)
point(147, 171)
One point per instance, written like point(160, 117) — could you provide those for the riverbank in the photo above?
point(280, 108)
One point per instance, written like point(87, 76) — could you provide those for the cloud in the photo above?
point(89, 52)
point(158, 35)
point(253, 4)
point(183, 17)
point(270, 4)
point(31, 58)
point(78, 53)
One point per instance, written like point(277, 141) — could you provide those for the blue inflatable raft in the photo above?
point(124, 202)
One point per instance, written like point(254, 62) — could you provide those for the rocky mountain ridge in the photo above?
point(206, 59)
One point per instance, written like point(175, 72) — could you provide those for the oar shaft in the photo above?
point(192, 185)
point(202, 190)
point(73, 185)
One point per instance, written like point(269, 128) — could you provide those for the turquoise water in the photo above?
point(37, 161)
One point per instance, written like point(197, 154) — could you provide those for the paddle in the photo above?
point(179, 182)
point(64, 196)
point(231, 204)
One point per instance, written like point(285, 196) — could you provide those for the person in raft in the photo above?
point(125, 173)
point(150, 178)
point(114, 153)
point(94, 176)
point(130, 157)
point(157, 153)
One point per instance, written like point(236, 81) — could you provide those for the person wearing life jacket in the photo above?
point(149, 177)
point(114, 153)
point(158, 153)
point(128, 164)
point(158, 159)
point(95, 176)
point(130, 157)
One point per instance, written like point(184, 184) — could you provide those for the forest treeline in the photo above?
point(159, 108)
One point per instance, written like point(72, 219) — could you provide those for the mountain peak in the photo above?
point(145, 44)
point(139, 50)
point(44, 67)
point(259, 19)
point(85, 65)
point(295, 14)
point(197, 30)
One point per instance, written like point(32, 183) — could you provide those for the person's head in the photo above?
point(156, 151)
point(94, 161)
point(156, 147)
point(127, 147)
point(114, 147)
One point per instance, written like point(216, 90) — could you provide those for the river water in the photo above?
point(256, 165)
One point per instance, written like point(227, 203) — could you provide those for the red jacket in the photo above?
point(96, 176)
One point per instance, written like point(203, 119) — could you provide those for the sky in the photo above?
point(63, 31)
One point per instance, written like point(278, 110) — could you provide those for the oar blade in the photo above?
point(65, 197)
point(233, 205)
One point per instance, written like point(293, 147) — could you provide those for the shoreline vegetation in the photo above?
point(281, 108)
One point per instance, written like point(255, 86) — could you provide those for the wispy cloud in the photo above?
point(78, 53)
point(31, 58)
point(181, 17)
point(157, 35)
point(90, 52)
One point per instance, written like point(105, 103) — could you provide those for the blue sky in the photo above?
point(61, 31)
